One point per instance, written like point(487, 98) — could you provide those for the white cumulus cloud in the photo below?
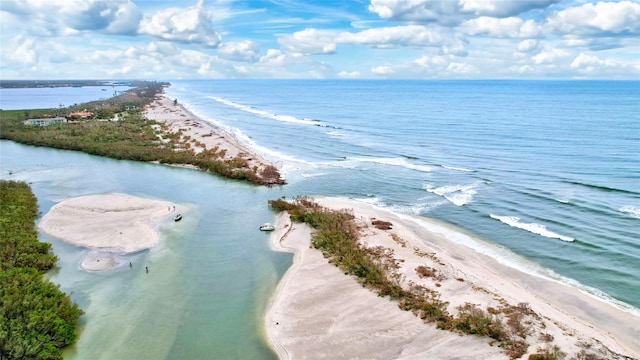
point(602, 17)
point(550, 56)
point(65, 17)
point(349, 74)
point(529, 45)
point(395, 36)
point(309, 41)
point(246, 50)
point(511, 27)
point(584, 60)
point(451, 13)
point(192, 25)
point(382, 70)
point(502, 8)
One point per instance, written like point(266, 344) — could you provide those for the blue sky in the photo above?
point(369, 39)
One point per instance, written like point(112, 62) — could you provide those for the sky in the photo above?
point(319, 39)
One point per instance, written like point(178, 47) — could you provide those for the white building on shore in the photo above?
point(45, 121)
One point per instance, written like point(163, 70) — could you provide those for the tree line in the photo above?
point(133, 137)
point(37, 319)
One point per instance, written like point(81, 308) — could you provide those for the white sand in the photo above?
point(115, 222)
point(319, 313)
point(201, 135)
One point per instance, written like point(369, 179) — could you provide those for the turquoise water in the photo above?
point(547, 170)
point(210, 277)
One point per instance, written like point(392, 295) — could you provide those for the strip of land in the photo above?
point(202, 136)
point(141, 125)
point(108, 224)
point(319, 313)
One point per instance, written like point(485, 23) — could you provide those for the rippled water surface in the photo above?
point(546, 172)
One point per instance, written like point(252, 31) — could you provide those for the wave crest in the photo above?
point(457, 168)
point(631, 210)
point(539, 229)
point(401, 162)
point(458, 195)
point(283, 118)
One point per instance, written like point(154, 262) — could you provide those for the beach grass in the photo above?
point(337, 236)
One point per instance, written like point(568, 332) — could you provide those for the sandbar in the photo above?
point(317, 312)
point(111, 223)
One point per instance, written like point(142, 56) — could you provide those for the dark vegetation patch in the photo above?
point(381, 224)
point(131, 137)
point(37, 319)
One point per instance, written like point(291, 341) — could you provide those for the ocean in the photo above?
point(542, 175)
point(549, 170)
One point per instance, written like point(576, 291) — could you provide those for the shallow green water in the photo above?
point(209, 279)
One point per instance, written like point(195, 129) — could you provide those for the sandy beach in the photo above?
point(318, 312)
point(199, 135)
point(107, 224)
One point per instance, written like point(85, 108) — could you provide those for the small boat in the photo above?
point(267, 227)
point(178, 217)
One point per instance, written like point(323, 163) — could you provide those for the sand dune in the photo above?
point(319, 313)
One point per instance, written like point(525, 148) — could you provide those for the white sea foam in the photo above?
point(631, 210)
point(370, 199)
point(283, 118)
point(458, 195)
point(417, 208)
point(457, 168)
point(401, 162)
point(504, 256)
point(334, 133)
point(564, 201)
point(539, 229)
point(310, 175)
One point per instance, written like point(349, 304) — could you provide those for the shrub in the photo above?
point(550, 353)
point(337, 236)
point(37, 319)
point(473, 320)
point(427, 271)
point(282, 205)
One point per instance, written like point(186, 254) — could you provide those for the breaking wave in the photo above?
point(283, 118)
point(458, 195)
point(631, 210)
point(457, 168)
point(539, 229)
point(391, 161)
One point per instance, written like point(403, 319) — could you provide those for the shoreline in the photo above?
point(200, 136)
point(107, 225)
point(573, 319)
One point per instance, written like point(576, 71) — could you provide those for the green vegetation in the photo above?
point(130, 137)
point(36, 318)
point(337, 236)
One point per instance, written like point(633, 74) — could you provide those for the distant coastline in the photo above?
point(141, 124)
point(12, 84)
